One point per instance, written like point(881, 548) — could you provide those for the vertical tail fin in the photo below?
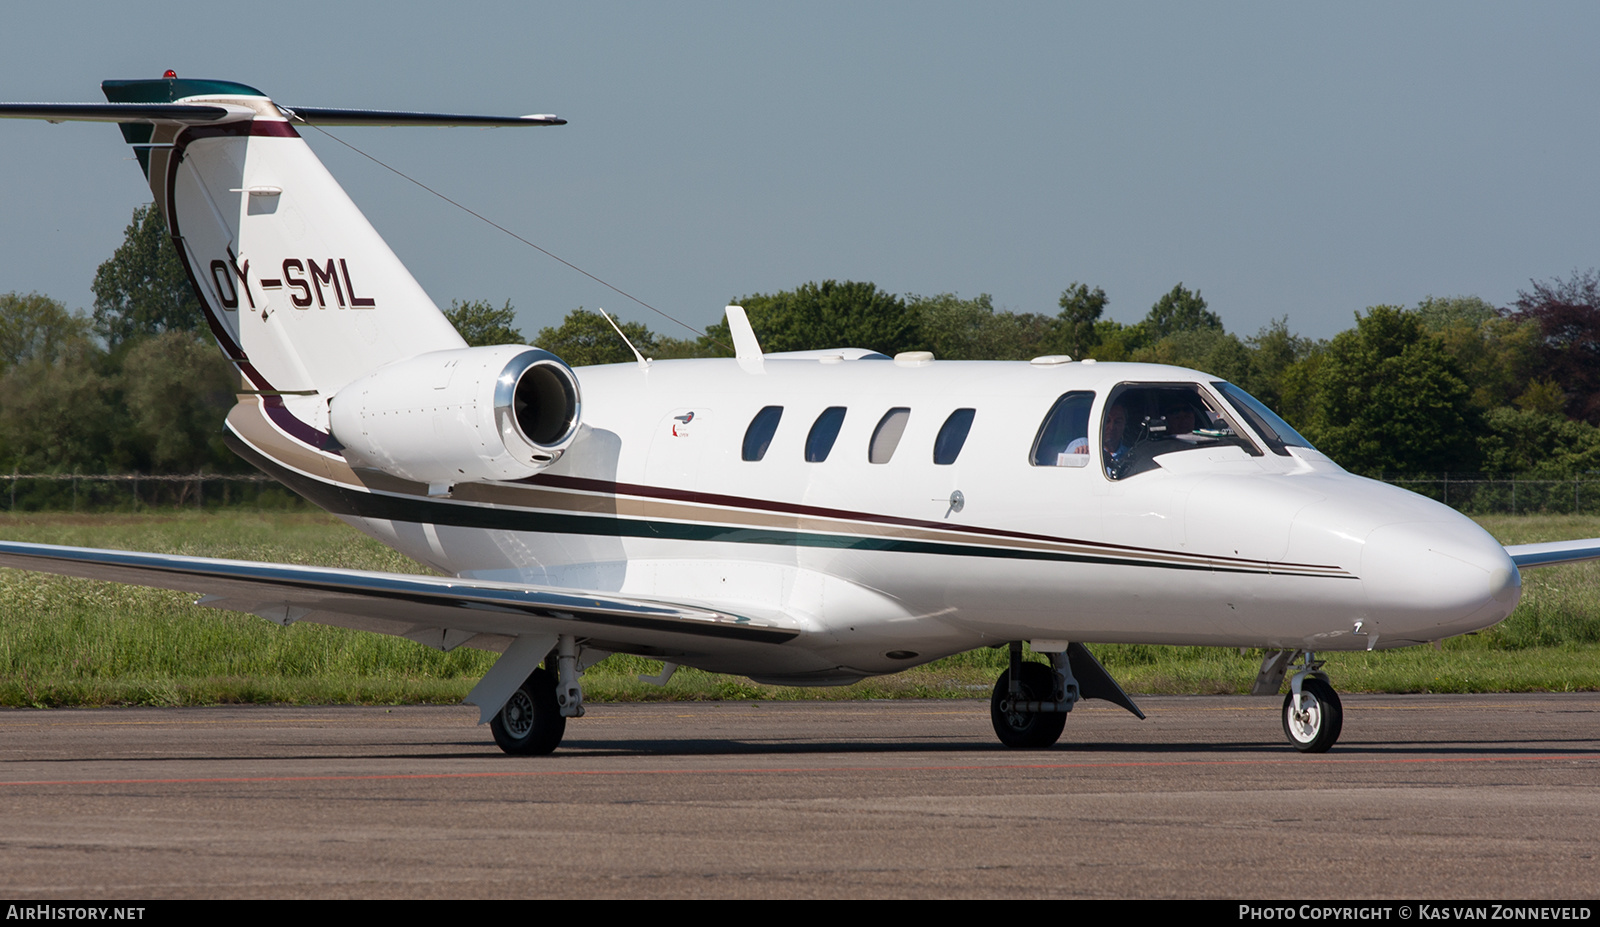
point(299, 289)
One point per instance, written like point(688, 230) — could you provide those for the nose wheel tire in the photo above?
point(1315, 727)
point(530, 723)
point(1028, 730)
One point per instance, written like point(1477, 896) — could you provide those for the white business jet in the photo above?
point(808, 518)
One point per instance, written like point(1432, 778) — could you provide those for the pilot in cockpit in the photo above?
point(1113, 438)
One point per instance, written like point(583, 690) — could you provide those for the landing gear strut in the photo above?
point(527, 704)
point(1312, 715)
point(1030, 701)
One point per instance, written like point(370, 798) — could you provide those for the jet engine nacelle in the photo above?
point(487, 413)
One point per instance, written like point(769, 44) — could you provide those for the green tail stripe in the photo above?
point(169, 90)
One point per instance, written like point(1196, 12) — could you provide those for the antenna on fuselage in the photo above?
point(642, 362)
point(746, 349)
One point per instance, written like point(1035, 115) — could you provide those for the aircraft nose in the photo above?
point(1431, 580)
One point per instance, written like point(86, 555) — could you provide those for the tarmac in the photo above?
point(1424, 798)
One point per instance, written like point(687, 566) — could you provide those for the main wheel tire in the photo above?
point(1319, 721)
point(530, 723)
point(1028, 730)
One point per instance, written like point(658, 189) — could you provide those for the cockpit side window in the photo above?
point(1144, 421)
point(1063, 438)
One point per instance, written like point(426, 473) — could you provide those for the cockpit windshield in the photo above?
point(1142, 422)
point(1274, 430)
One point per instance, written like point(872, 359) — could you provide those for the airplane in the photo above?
point(801, 518)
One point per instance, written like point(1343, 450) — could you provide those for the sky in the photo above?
point(1286, 160)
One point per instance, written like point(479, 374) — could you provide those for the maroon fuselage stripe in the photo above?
point(607, 487)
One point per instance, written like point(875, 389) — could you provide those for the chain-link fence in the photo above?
point(131, 492)
point(1488, 494)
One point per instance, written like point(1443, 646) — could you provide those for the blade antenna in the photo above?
point(642, 362)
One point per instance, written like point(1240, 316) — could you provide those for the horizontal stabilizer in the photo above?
point(1554, 553)
point(203, 113)
point(327, 116)
point(165, 113)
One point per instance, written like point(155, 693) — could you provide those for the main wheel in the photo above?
point(1315, 727)
point(1031, 730)
point(530, 724)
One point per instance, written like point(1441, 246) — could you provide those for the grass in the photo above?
point(77, 642)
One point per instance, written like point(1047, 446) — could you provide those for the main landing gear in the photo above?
point(1030, 701)
point(534, 719)
point(1312, 715)
point(530, 723)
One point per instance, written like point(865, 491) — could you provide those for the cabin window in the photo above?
point(1063, 438)
point(758, 437)
point(1278, 434)
point(952, 436)
point(886, 437)
point(824, 431)
point(1142, 422)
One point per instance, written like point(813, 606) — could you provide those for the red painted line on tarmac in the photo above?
point(781, 769)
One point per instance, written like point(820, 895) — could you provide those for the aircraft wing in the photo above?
point(439, 611)
point(1554, 553)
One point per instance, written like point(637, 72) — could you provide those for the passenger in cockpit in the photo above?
point(1180, 417)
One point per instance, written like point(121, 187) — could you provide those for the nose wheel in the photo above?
point(1312, 721)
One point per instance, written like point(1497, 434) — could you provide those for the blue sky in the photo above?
point(1285, 159)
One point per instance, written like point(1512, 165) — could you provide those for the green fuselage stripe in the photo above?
point(342, 500)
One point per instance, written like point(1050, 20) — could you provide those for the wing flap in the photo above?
point(457, 610)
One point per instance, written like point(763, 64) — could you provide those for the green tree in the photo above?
point(1439, 315)
point(1211, 350)
point(143, 289)
point(1568, 315)
point(1281, 373)
point(1498, 357)
point(1081, 309)
point(585, 338)
point(1115, 341)
point(56, 413)
point(1180, 311)
point(480, 323)
point(177, 391)
point(1393, 400)
point(969, 329)
point(36, 326)
point(1537, 444)
point(830, 314)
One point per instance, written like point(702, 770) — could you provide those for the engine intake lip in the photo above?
point(537, 404)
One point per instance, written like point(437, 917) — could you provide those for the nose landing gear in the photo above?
point(1314, 724)
point(1312, 714)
